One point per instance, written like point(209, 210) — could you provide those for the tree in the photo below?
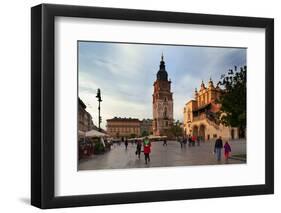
point(233, 99)
point(176, 129)
point(144, 133)
point(133, 135)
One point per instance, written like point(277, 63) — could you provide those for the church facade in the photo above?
point(200, 117)
point(162, 102)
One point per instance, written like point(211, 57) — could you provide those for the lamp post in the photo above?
point(98, 96)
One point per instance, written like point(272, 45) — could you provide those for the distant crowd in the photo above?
point(144, 145)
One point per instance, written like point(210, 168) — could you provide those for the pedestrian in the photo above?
point(165, 142)
point(227, 150)
point(189, 140)
point(218, 147)
point(146, 149)
point(126, 143)
point(198, 141)
point(138, 151)
point(184, 141)
point(180, 141)
point(193, 139)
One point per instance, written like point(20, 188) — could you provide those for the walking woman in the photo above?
point(227, 150)
point(146, 149)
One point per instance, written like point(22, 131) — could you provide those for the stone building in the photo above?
point(146, 127)
point(162, 102)
point(200, 115)
point(85, 121)
point(123, 127)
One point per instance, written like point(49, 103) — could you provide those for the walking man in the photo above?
point(181, 142)
point(138, 151)
point(189, 140)
point(218, 147)
point(165, 142)
point(198, 140)
point(126, 143)
point(184, 141)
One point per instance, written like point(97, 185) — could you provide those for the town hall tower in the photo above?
point(162, 102)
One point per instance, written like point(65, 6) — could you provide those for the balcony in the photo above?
point(200, 117)
point(209, 120)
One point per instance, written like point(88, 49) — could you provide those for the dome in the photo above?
point(202, 87)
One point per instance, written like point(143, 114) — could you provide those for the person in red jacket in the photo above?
point(146, 149)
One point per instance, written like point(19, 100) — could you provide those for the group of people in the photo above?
point(146, 149)
point(146, 144)
point(218, 148)
point(190, 139)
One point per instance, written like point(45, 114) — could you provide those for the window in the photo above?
point(165, 112)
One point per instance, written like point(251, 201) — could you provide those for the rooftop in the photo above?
point(124, 119)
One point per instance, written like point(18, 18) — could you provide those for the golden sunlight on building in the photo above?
point(200, 115)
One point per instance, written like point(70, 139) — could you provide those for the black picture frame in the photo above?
point(43, 105)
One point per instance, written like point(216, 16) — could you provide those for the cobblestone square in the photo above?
point(162, 156)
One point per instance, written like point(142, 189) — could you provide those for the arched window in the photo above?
point(165, 112)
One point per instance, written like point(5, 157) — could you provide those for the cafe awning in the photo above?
point(95, 133)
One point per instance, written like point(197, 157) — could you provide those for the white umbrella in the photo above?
point(81, 133)
point(94, 133)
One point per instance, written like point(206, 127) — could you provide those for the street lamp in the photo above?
point(98, 96)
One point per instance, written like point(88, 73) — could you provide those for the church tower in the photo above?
point(162, 102)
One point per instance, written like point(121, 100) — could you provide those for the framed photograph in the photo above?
point(141, 106)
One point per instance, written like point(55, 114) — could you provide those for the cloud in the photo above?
point(125, 74)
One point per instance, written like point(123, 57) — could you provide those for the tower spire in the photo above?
point(162, 73)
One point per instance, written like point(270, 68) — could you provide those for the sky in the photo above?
point(125, 73)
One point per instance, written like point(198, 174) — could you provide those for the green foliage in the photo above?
point(233, 99)
point(99, 148)
point(133, 135)
point(144, 133)
point(176, 129)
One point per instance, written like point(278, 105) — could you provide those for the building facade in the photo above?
point(123, 127)
point(200, 115)
point(162, 102)
point(146, 127)
point(85, 121)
